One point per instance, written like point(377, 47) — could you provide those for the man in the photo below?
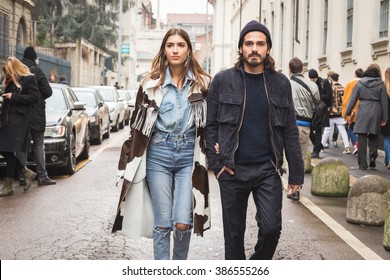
point(325, 90)
point(38, 118)
point(63, 80)
point(305, 95)
point(250, 121)
point(351, 119)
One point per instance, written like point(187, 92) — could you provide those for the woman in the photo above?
point(21, 91)
point(335, 118)
point(386, 129)
point(167, 125)
point(371, 114)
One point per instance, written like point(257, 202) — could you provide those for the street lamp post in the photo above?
point(120, 42)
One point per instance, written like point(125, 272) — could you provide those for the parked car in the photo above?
point(128, 103)
point(98, 112)
point(67, 130)
point(114, 101)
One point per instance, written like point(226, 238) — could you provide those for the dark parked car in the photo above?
point(67, 130)
point(128, 103)
point(98, 112)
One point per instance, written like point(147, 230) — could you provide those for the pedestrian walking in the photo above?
point(168, 123)
point(20, 93)
point(305, 95)
point(371, 115)
point(37, 119)
point(250, 122)
point(385, 130)
point(335, 117)
point(325, 90)
point(351, 120)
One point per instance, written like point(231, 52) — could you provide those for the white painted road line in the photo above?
point(338, 229)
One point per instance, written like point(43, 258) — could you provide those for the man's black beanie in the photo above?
point(254, 26)
point(30, 53)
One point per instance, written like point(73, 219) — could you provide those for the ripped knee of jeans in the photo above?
point(182, 230)
point(182, 227)
point(162, 230)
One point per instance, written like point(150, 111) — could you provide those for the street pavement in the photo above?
point(72, 220)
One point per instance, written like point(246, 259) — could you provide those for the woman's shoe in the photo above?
point(7, 190)
point(29, 175)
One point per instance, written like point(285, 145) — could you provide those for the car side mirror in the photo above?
point(79, 106)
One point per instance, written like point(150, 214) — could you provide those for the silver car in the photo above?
point(114, 101)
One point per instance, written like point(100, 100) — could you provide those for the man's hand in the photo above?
point(293, 188)
point(7, 95)
point(227, 169)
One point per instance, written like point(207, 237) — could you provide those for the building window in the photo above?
point(349, 22)
point(4, 36)
point(384, 19)
point(326, 4)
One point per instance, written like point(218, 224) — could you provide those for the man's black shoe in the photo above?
point(372, 163)
point(294, 196)
point(315, 155)
point(46, 181)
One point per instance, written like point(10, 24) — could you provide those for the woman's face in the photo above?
point(176, 50)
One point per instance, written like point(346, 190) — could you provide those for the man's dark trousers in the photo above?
point(264, 182)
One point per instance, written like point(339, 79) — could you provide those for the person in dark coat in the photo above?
point(250, 123)
point(371, 115)
point(38, 119)
point(21, 92)
point(385, 130)
point(325, 90)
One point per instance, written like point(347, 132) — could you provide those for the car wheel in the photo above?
point(107, 134)
point(122, 124)
point(70, 166)
point(116, 127)
point(99, 139)
point(85, 153)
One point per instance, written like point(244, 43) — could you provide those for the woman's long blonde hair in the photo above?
point(15, 69)
point(160, 61)
point(387, 80)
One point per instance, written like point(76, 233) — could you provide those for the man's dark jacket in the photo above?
point(225, 111)
point(38, 115)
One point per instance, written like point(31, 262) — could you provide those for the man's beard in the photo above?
point(254, 62)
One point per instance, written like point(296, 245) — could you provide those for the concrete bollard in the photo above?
point(367, 201)
point(330, 177)
point(386, 232)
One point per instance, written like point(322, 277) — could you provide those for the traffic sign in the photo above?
point(125, 49)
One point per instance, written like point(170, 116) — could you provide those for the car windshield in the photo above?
point(56, 101)
point(123, 95)
point(87, 97)
point(107, 94)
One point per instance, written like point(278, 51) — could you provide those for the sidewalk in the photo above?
point(351, 160)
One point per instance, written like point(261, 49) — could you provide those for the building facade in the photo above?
point(15, 26)
point(338, 35)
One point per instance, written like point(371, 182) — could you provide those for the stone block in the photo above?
point(368, 201)
point(386, 232)
point(330, 177)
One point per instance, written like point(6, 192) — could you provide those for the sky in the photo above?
point(180, 7)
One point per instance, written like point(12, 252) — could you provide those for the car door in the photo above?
point(79, 120)
point(104, 111)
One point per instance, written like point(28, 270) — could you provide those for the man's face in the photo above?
point(254, 51)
